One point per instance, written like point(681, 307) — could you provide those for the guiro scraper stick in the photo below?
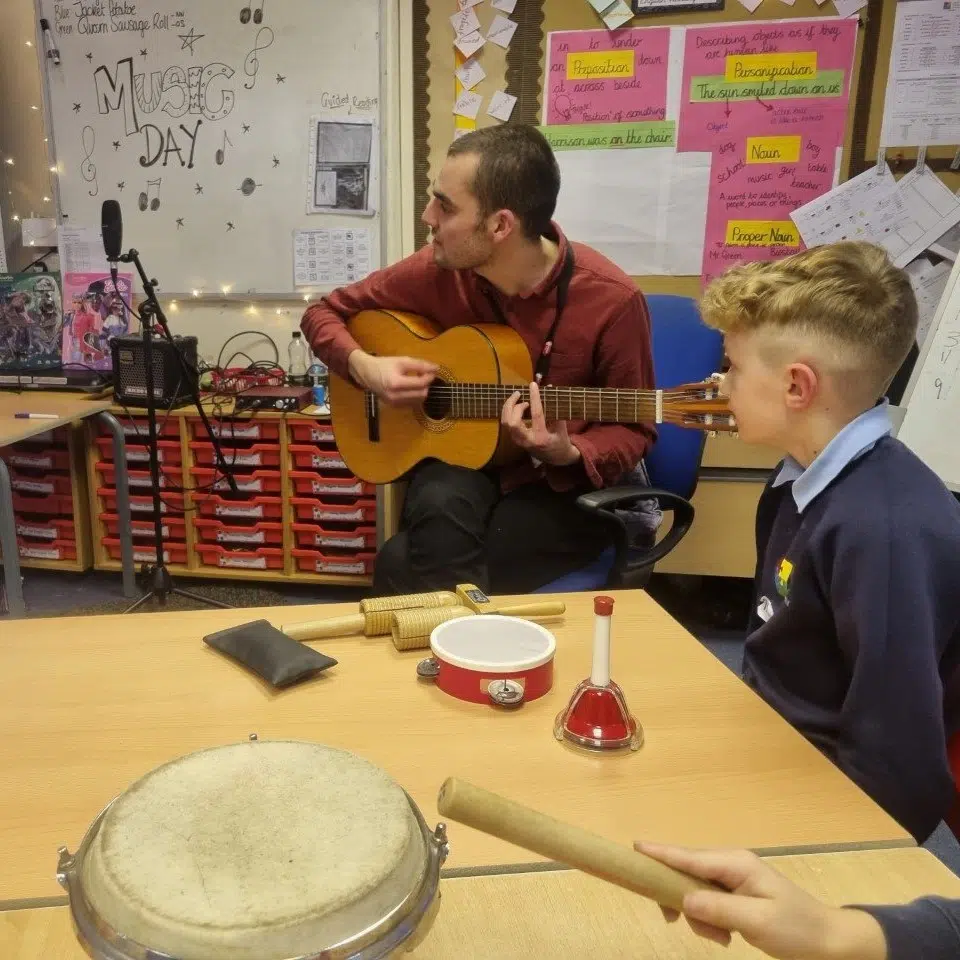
point(564, 843)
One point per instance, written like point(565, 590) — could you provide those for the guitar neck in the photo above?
point(484, 401)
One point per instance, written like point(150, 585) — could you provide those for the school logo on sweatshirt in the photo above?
point(782, 577)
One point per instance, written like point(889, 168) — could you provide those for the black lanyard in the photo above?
point(563, 285)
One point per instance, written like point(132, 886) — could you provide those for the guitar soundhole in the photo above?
point(437, 404)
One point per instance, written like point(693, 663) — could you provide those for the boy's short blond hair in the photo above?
point(846, 303)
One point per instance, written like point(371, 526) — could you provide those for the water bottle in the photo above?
point(298, 353)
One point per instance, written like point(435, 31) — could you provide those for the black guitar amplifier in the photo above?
point(171, 382)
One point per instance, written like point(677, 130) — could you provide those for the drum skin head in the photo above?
point(254, 851)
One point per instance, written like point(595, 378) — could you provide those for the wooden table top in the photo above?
point(69, 407)
point(567, 915)
point(91, 704)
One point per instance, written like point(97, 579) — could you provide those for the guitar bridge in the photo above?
point(373, 417)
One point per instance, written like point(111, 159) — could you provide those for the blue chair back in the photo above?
point(684, 350)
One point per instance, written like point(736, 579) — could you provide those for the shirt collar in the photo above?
point(550, 280)
point(852, 442)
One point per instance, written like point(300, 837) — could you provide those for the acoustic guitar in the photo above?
point(479, 367)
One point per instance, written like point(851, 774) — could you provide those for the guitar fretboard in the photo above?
point(484, 401)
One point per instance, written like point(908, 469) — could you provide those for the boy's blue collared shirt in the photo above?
point(853, 441)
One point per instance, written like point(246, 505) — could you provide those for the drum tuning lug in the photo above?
point(428, 669)
point(440, 839)
point(65, 863)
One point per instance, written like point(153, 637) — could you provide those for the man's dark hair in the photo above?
point(516, 171)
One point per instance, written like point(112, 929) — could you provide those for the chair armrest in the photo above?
point(603, 503)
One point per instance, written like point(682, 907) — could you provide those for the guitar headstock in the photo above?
point(700, 406)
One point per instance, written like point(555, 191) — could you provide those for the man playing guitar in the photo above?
point(497, 257)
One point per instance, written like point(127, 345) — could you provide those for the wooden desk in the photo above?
point(567, 915)
point(69, 408)
point(90, 704)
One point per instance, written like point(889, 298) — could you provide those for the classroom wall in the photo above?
point(23, 186)
point(866, 103)
point(25, 189)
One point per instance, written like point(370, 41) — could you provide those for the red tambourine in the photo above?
point(492, 658)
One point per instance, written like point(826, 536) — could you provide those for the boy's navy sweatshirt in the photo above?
point(855, 638)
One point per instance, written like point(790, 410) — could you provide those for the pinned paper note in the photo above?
point(501, 105)
point(470, 44)
point(614, 13)
point(752, 5)
point(464, 4)
point(465, 22)
point(501, 31)
point(468, 105)
point(470, 74)
point(847, 8)
point(507, 6)
point(460, 132)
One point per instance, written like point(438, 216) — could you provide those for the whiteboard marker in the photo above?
point(52, 52)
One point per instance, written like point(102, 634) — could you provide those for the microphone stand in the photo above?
point(161, 583)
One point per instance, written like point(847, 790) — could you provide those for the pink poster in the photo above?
point(769, 102)
point(765, 78)
point(749, 204)
point(600, 76)
point(93, 314)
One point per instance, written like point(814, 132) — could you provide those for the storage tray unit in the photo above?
point(298, 514)
point(49, 500)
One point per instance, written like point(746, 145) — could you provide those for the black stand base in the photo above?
point(161, 587)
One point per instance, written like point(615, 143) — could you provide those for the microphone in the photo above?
point(111, 227)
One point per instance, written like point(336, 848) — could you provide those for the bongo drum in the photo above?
point(491, 657)
point(264, 850)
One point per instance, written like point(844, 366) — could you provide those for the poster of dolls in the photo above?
point(94, 313)
point(31, 320)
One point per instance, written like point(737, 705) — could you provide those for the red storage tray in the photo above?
point(307, 431)
point(312, 561)
point(55, 550)
point(312, 457)
point(258, 534)
point(137, 428)
point(170, 502)
point(174, 528)
point(349, 509)
point(263, 558)
point(36, 458)
point(252, 508)
point(236, 429)
point(49, 438)
point(311, 484)
point(311, 536)
point(48, 484)
point(140, 479)
point(255, 455)
point(55, 529)
point(43, 505)
point(259, 481)
point(168, 451)
point(147, 553)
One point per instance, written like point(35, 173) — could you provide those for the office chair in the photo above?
point(684, 351)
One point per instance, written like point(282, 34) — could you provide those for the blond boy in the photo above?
point(855, 637)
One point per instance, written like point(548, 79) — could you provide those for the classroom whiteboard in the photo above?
point(222, 127)
point(932, 398)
